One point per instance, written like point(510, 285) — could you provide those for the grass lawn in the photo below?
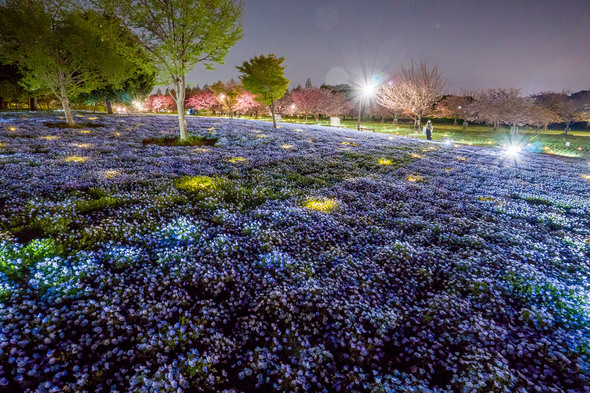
point(547, 142)
point(304, 258)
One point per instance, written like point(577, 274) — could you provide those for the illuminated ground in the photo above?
point(298, 259)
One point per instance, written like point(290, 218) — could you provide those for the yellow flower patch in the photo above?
point(324, 205)
point(236, 159)
point(76, 159)
point(415, 178)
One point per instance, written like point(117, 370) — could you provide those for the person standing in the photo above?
point(428, 130)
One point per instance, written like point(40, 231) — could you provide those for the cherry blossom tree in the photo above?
point(334, 104)
point(502, 106)
point(454, 107)
point(565, 107)
point(202, 99)
point(413, 89)
point(382, 112)
point(308, 101)
point(246, 103)
point(161, 103)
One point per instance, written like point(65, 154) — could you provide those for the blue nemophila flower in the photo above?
point(152, 268)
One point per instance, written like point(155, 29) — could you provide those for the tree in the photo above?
point(160, 102)
point(380, 111)
point(136, 88)
point(455, 107)
point(334, 104)
point(59, 48)
point(202, 99)
point(10, 90)
point(502, 106)
point(413, 89)
point(180, 34)
point(246, 102)
point(569, 108)
point(308, 101)
point(137, 74)
point(264, 77)
point(546, 109)
point(227, 95)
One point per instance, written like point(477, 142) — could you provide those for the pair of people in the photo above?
point(428, 130)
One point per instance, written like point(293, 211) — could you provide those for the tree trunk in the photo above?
point(33, 104)
point(95, 105)
point(567, 127)
point(419, 122)
point(109, 107)
point(455, 122)
point(272, 112)
point(465, 125)
point(65, 103)
point(180, 94)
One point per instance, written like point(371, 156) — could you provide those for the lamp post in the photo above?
point(366, 91)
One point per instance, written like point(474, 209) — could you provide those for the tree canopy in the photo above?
point(264, 76)
point(413, 89)
point(60, 48)
point(180, 34)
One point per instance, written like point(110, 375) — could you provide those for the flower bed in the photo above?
point(345, 262)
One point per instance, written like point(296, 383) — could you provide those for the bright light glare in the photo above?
point(368, 90)
point(512, 150)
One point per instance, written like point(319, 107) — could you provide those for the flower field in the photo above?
point(301, 259)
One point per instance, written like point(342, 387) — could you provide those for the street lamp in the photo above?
point(366, 91)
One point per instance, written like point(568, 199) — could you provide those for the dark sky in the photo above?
point(534, 45)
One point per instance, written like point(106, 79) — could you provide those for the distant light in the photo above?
point(138, 105)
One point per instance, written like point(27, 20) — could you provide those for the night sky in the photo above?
point(529, 44)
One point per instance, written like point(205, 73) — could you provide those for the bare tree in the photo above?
point(413, 89)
